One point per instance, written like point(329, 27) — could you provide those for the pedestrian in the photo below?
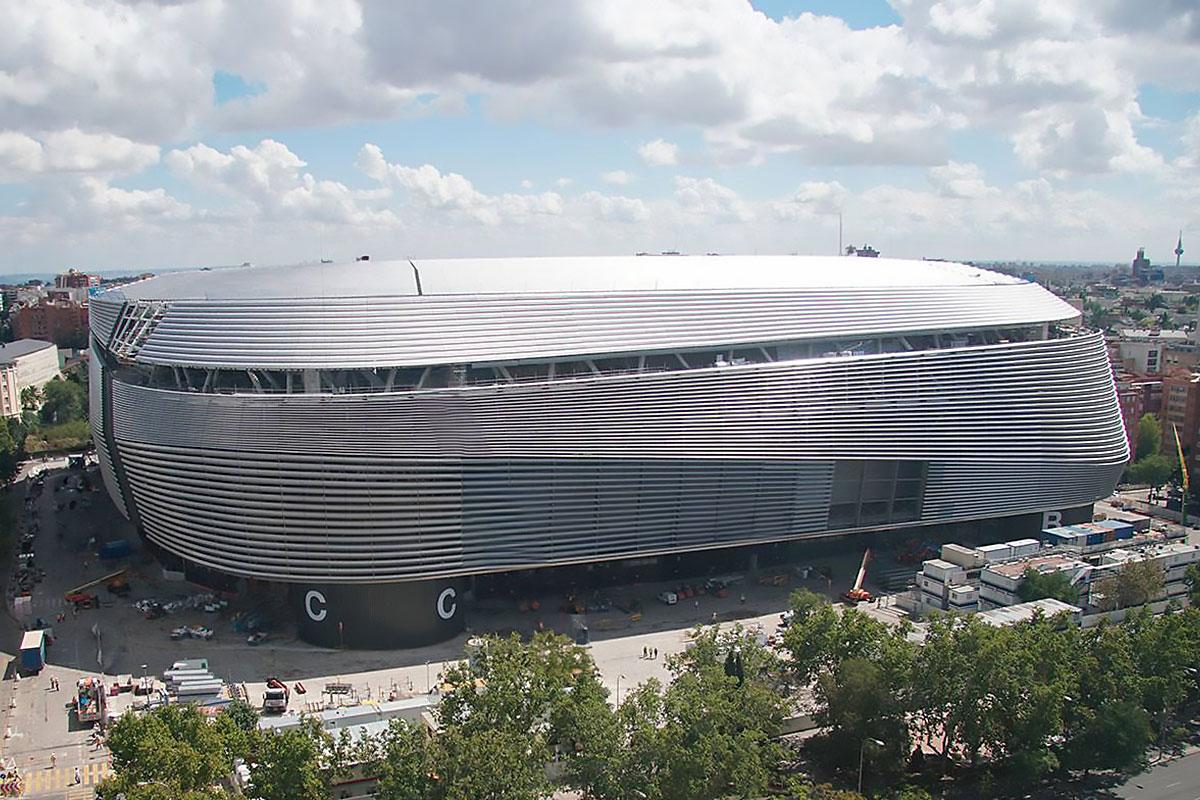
point(53, 760)
point(78, 777)
point(656, 654)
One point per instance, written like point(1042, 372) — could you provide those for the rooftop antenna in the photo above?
point(417, 275)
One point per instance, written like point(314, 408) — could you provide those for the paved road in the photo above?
point(1175, 780)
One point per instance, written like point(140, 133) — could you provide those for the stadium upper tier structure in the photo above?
point(374, 433)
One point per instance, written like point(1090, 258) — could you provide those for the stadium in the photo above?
point(374, 434)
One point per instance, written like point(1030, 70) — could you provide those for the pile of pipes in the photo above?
point(192, 680)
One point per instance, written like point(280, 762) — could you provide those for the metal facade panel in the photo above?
point(419, 331)
point(363, 488)
point(1047, 400)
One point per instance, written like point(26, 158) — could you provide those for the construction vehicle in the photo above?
point(90, 700)
point(275, 698)
point(82, 600)
point(857, 593)
point(111, 578)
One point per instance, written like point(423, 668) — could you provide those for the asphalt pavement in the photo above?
point(1178, 779)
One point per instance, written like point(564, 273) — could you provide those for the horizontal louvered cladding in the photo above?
point(1050, 401)
point(975, 491)
point(366, 520)
point(450, 482)
point(96, 417)
point(103, 314)
point(417, 331)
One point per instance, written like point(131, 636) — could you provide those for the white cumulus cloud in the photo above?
point(617, 177)
point(659, 153)
point(706, 198)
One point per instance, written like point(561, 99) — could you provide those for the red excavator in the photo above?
point(857, 593)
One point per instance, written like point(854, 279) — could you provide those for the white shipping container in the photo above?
point(995, 552)
point(1024, 547)
point(943, 571)
point(963, 594)
point(967, 557)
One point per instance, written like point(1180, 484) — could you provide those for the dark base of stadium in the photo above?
point(387, 616)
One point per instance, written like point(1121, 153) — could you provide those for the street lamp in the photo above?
point(861, 751)
point(428, 686)
point(619, 676)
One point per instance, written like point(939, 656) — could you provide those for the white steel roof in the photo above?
point(557, 275)
point(367, 314)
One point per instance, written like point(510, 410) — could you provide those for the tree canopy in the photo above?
point(1037, 585)
point(525, 719)
point(1149, 436)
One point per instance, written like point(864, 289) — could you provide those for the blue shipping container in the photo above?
point(118, 548)
point(33, 651)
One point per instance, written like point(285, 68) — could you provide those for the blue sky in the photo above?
point(950, 129)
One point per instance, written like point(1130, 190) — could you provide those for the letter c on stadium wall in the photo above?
point(316, 615)
point(443, 611)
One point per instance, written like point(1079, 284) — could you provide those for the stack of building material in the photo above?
point(193, 683)
point(935, 579)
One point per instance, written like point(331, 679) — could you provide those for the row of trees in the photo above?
point(527, 718)
point(524, 718)
point(1027, 699)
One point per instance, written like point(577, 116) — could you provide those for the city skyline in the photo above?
point(143, 137)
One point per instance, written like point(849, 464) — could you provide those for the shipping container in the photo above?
point(118, 548)
point(33, 651)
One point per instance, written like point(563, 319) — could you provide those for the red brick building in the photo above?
point(74, 279)
point(65, 324)
point(1181, 411)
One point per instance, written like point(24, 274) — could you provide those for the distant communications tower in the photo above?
point(1179, 248)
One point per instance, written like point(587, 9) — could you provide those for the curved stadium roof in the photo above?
point(556, 275)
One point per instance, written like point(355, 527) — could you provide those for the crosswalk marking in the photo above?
point(41, 781)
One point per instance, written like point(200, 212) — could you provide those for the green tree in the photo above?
point(859, 703)
point(1134, 584)
point(406, 770)
point(292, 764)
point(1192, 578)
point(173, 747)
point(494, 764)
point(1156, 301)
point(1115, 738)
point(10, 457)
point(237, 727)
point(820, 636)
point(540, 695)
point(1151, 470)
point(1037, 585)
point(721, 712)
point(516, 686)
point(31, 398)
point(618, 755)
point(64, 401)
point(950, 700)
point(1029, 671)
point(1149, 436)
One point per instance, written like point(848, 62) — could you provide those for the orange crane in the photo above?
point(857, 593)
